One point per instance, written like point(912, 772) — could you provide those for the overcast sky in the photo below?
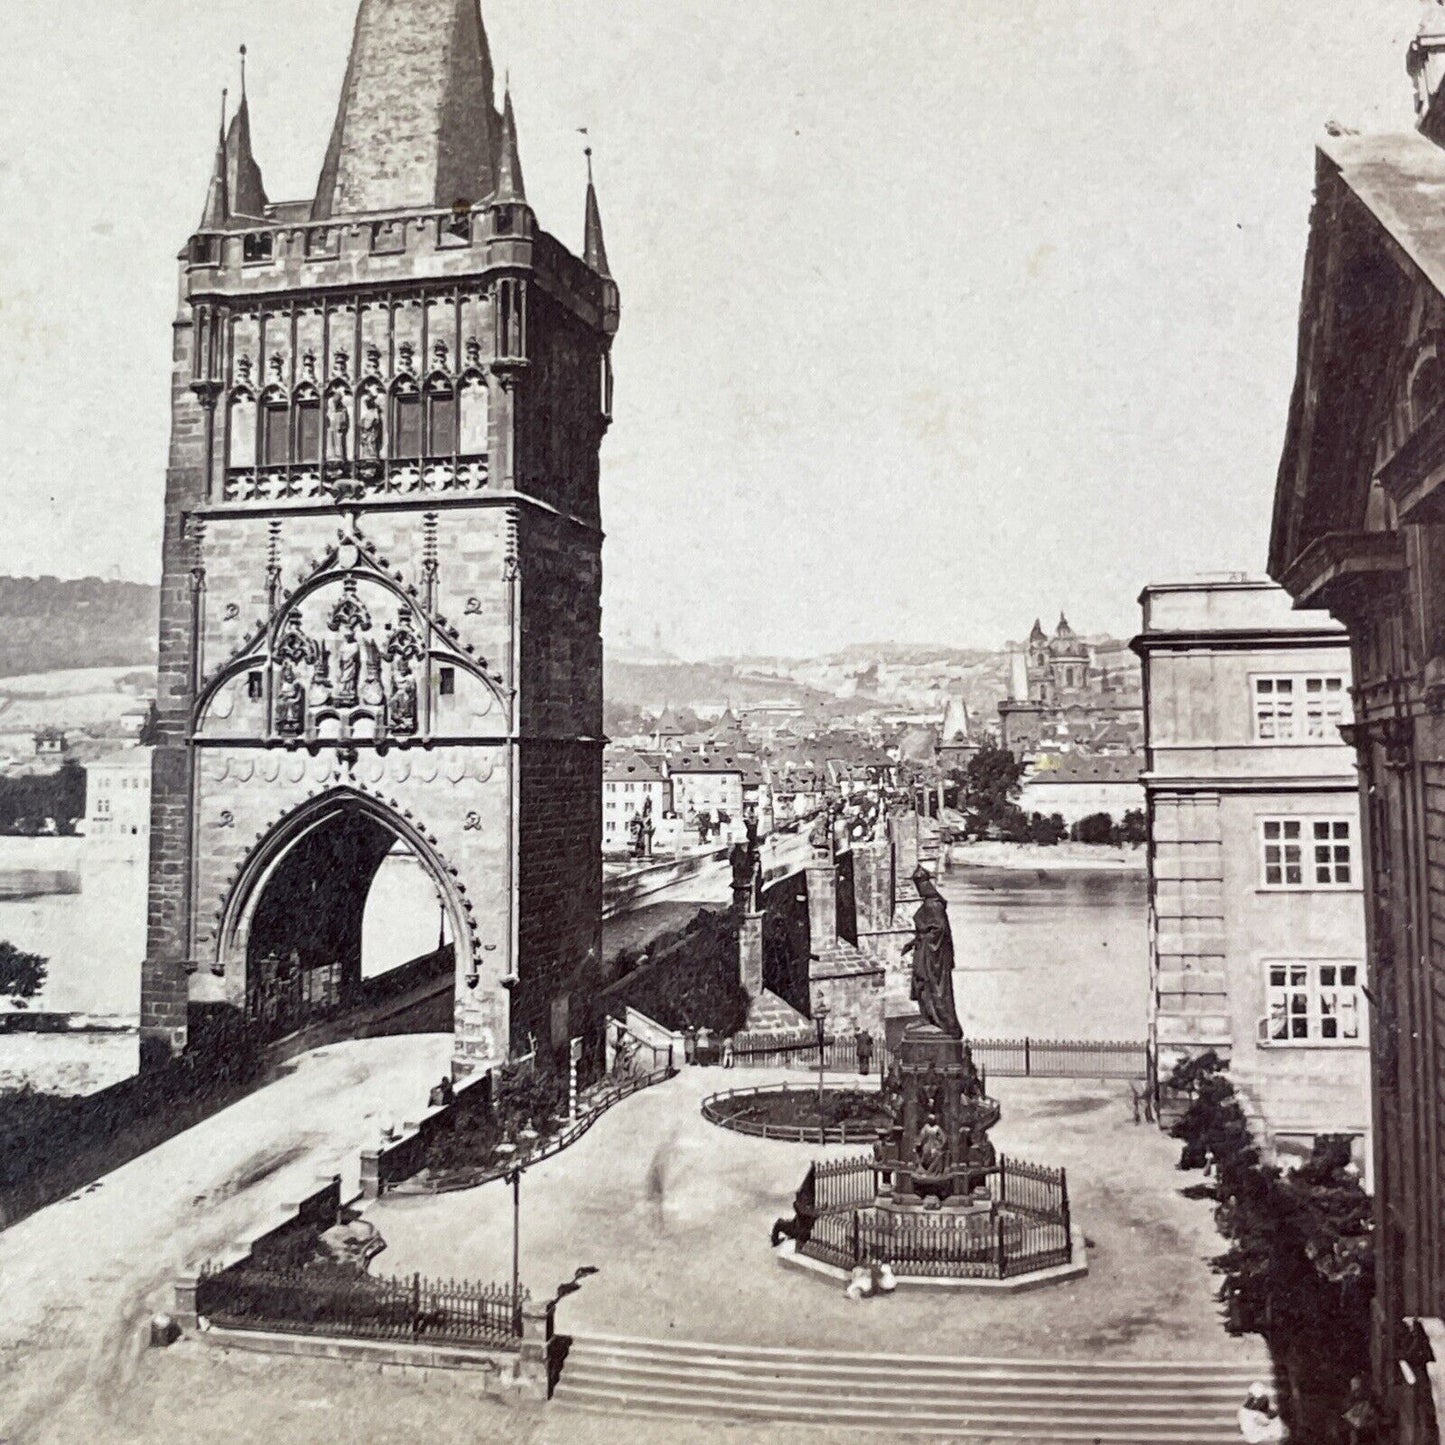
point(935, 315)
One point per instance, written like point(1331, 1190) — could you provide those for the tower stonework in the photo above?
point(381, 608)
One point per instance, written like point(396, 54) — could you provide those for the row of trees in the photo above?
point(1299, 1269)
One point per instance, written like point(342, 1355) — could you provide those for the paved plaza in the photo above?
point(674, 1215)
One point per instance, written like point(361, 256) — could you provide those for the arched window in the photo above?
point(441, 403)
point(406, 421)
point(275, 429)
point(308, 424)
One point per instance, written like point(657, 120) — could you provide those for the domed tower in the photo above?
point(381, 608)
point(1069, 657)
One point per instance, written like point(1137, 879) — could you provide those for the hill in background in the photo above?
point(49, 624)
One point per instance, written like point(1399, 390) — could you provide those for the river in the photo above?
point(1050, 953)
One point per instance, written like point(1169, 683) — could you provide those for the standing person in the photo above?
point(864, 1046)
point(728, 1052)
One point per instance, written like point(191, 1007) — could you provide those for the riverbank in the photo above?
point(1031, 856)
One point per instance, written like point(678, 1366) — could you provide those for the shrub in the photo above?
point(1096, 828)
point(1299, 1269)
point(1046, 831)
point(22, 975)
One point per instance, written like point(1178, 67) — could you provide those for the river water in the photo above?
point(1050, 953)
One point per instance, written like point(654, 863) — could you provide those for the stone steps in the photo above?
point(768, 1013)
point(1148, 1403)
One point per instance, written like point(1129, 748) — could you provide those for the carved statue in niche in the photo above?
point(294, 649)
point(290, 703)
point(368, 430)
point(348, 619)
point(402, 648)
point(401, 705)
point(338, 428)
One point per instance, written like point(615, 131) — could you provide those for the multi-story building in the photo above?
point(630, 782)
point(1062, 689)
point(1255, 868)
point(1079, 785)
point(1358, 509)
point(381, 596)
point(709, 783)
point(118, 795)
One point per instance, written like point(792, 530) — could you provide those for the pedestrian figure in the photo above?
point(728, 1052)
point(863, 1043)
point(1258, 1422)
point(1362, 1415)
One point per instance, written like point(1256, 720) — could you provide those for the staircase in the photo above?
point(1104, 1402)
point(767, 1013)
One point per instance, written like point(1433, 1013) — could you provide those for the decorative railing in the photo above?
point(728, 1110)
point(1002, 1058)
point(303, 481)
point(979, 1246)
point(326, 1300)
point(1029, 1227)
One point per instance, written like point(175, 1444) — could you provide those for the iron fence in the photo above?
point(1003, 1058)
point(1032, 1189)
point(981, 1246)
point(331, 1302)
point(843, 1183)
point(730, 1110)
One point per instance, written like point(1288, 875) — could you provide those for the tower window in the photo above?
point(448, 682)
point(254, 686)
point(406, 424)
point(276, 443)
point(442, 422)
point(308, 430)
point(258, 246)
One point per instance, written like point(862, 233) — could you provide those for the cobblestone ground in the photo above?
point(674, 1214)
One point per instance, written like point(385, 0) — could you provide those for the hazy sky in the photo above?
point(935, 315)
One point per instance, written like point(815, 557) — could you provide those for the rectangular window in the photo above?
point(1298, 709)
point(448, 682)
point(1313, 1003)
point(276, 442)
point(1307, 852)
point(308, 431)
point(254, 686)
point(258, 246)
point(406, 426)
point(443, 424)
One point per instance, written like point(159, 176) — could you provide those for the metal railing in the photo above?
point(329, 1302)
point(729, 1110)
point(1020, 1058)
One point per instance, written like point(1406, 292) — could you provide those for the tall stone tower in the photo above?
point(380, 621)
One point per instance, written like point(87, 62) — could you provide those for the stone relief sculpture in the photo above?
point(369, 430)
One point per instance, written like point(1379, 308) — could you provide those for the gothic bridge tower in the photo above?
point(381, 612)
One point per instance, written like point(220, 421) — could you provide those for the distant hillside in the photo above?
point(50, 623)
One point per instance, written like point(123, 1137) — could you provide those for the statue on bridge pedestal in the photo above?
point(932, 950)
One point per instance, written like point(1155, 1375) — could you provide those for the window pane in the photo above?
point(277, 441)
point(443, 441)
point(406, 430)
point(1291, 830)
point(308, 432)
point(1271, 829)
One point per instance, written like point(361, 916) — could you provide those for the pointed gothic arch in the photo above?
point(344, 822)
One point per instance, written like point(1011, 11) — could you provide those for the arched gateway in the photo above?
point(380, 623)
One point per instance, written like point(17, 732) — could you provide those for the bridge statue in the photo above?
point(932, 950)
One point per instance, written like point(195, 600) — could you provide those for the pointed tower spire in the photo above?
point(594, 248)
point(243, 175)
point(510, 187)
point(218, 199)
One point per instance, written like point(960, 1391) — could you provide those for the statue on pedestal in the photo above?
point(932, 950)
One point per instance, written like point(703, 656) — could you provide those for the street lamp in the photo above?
point(820, 1015)
point(513, 1177)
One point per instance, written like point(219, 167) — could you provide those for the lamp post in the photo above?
point(820, 1015)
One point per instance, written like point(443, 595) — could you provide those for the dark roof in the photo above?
point(709, 763)
point(417, 126)
point(1084, 768)
point(629, 767)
